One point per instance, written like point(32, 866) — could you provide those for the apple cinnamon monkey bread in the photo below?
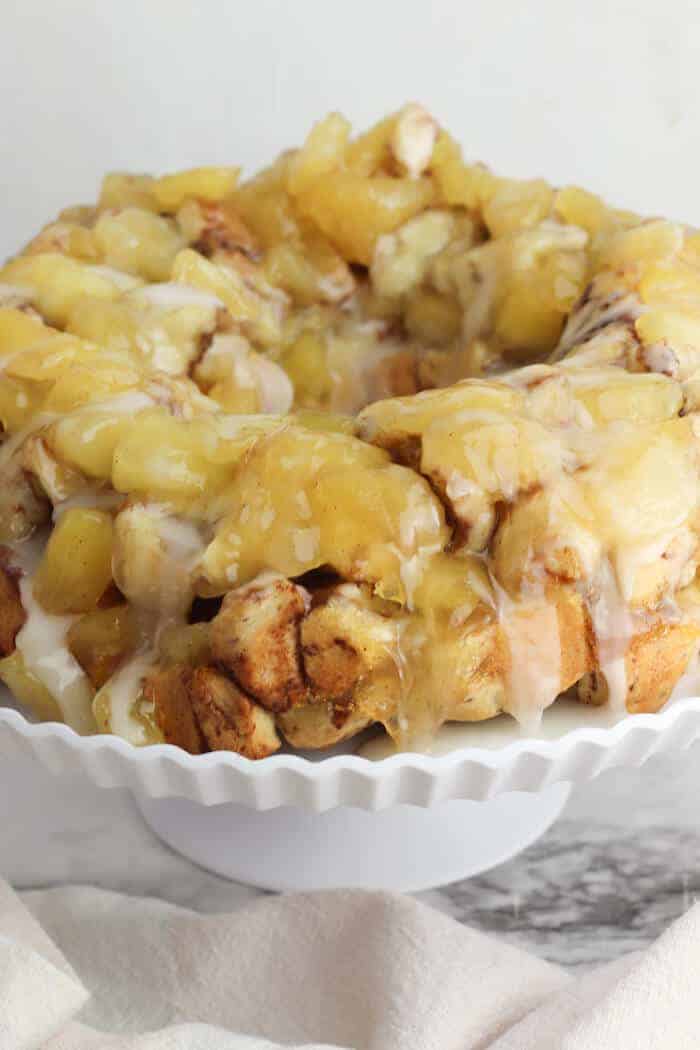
point(374, 437)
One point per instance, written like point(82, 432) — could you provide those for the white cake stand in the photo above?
point(405, 848)
point(405, 822)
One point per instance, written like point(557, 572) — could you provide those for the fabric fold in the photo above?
point(39, 993)
point(85, 969)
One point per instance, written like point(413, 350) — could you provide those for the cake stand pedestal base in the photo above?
point(405, 848)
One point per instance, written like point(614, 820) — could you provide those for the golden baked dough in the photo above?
point(374, 437)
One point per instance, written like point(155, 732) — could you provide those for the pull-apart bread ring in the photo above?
point(372, 438)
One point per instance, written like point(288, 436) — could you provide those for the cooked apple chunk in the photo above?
point(348, 507)
point(28, 689)
point(76, 568)
point(102, 639)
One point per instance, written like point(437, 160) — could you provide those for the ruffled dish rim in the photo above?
point(527, 764)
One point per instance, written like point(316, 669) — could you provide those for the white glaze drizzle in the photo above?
point(613, 627)
point(173, 296)
point(530, 627)
point(42, 643)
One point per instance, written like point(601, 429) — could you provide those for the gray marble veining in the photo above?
point(584, 895)
point(606, 879)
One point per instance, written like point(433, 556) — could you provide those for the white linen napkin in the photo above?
point(82, 969)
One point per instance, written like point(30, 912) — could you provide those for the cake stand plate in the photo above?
point(404, 821)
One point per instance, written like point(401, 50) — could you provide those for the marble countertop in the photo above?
point(621, 863)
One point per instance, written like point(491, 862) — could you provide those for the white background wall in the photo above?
point(603, 93)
